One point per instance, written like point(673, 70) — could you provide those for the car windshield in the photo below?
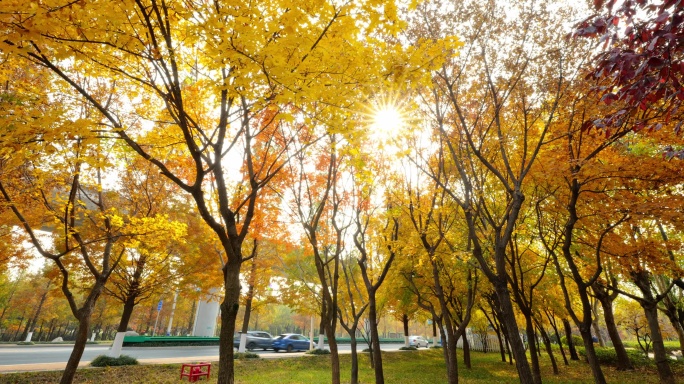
point(280, 337)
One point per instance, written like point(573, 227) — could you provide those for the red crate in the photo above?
point(195, 371)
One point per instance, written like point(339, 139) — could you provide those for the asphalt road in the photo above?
point(15, 358)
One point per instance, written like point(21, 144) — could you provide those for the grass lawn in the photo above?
point(670, 345)
point(414, 367)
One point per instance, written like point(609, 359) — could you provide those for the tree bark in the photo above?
point(517, 347)
point(532, 346)
point(650, 306)
point(584, 325)
point(354, 360)
point(568, 337)
point(82, 331)
point(585, 331)
point(32, 323)
point(376, 355)
point(129, 305)
point(595, 324)
point(51, 329)
point(405, 322)
point(466, 353)
point(664, 371)
point(21, 321)
point(623, 363)
point(81, 338)
point(229, 311)
point(249, 298)
point(549, 350)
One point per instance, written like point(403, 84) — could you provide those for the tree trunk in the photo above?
point(248, 303)
point(680, 334)
point(191, 320)
point(517, 347)
point(51, 329)
point(623, 363)
point(321, 326)
point(434, 332)
point(664, 371)
point(672, 313)
point(334, 353)
point(82, 331)
point(549, 350)
point(40, 331)
point(560, 344)
point(80, 340)
point(376, 356)
point(248, 309)
point(595, 324)
point(229, 311)
point(354, 359)
point(451, 355)
point(590, 352)
point(34, 320)
point(405, 321)
point(502, 350)
point(21, 321)
point(466, 353)
point(129, 305)
point(532, 346)
point(650, 306)
point(568, 337)
point(506, 343)
point(584, 326)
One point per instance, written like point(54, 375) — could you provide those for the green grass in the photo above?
point(670, 345)
point(421, 367)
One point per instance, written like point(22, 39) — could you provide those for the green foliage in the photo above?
point(408, 349)
point(108, 361)
point(26, 343)
point(246, 355)
point(575, 340)
point(607, 356)
point(318, 351)
point(670, 345)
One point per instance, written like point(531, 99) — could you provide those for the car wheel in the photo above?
point(264, 349)
point(251, 346)
point(289, 348)
point(276, 349)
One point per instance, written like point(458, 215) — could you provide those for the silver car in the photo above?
point(418, 341)
point(255, 340)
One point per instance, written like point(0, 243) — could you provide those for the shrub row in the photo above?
point(108, 361)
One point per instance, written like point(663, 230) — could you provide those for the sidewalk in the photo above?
point(85, 364)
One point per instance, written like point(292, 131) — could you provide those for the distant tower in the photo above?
point(205, 318)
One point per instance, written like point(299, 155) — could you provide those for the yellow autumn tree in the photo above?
point(197, 73)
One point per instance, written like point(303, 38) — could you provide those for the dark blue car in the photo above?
point(290, 342)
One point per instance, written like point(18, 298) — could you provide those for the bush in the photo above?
point(577, 340)
point(26, 343)
point(246, 355)
point(607, 356)
point(367, 350)
point(408, 349)
point(318, 351)
point(108, 361)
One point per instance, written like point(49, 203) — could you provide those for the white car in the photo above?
point(418, 341)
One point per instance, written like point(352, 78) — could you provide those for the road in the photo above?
point(15, 358)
